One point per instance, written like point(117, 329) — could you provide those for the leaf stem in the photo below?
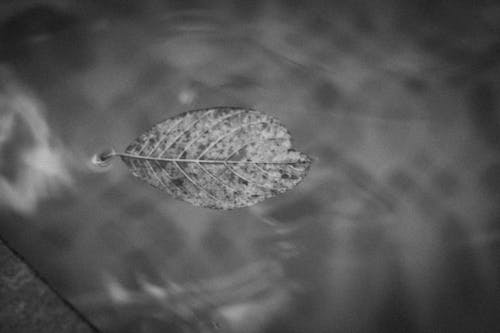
point(104, 158)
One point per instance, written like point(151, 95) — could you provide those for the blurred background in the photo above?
point(396, 228)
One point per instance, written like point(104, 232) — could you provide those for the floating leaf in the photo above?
point(221, 157)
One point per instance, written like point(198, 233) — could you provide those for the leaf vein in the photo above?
point(216, 178)
point(251, 180)
point(195, 183)
point(208, 129)
point(220, 138)
point(186, 129)
point(163, 139)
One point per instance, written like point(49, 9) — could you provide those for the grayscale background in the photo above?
point(395, 229)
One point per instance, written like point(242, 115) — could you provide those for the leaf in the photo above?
point(222, 157)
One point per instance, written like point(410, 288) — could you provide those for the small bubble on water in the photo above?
point(187, 96)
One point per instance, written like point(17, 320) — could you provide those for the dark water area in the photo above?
point(395, 229)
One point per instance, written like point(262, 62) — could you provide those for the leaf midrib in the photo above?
point(207, 161)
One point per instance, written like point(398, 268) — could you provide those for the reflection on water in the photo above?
point(32, 161)
point(395, 228)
